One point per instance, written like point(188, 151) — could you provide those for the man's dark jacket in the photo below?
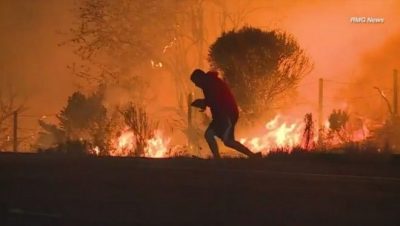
point(219, 98)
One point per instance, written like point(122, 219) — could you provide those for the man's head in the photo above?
point(198, 77)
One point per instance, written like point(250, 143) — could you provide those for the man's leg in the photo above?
point(212, 143)
point(238, 147)
point(229, 141)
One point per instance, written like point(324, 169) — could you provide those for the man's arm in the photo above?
point(209, 96)
point(199, 103)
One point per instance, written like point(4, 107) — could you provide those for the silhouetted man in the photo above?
point(224, 110)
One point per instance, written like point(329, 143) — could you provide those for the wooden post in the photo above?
point(15, 134)
point(189, 119)
point(395, 89)
point(320, 107)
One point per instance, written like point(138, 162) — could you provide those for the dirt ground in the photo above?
point(319, 190)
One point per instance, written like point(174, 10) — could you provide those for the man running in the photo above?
point(224, 111)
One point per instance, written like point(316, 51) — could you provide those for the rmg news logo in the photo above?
point(367, 20)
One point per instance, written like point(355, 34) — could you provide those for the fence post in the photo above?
point(15, 132)
point(320, 109)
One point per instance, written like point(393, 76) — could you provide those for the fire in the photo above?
point(96, 150)
point(360, 134)
point(359, 130)
point(125, 145)
point(157, 147)
point(285, 134)
point(277, 134)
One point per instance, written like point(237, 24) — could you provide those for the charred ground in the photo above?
point(299, 189)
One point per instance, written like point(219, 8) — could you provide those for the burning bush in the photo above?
point(140, 125)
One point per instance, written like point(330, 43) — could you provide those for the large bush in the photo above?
point(260, 66)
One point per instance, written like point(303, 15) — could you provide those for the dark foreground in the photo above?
point(317, 190)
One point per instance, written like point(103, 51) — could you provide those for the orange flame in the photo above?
point(125, 144)
point(157, 147)
point(95, 150)
point(278, 134)
point(286, 134)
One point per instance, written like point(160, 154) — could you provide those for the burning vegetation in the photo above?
point(129, 131)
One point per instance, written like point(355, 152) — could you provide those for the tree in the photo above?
point(260, 66)
point(84, 118)
point(117, 40)
point(82, 112)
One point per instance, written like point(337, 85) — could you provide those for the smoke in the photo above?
point(31, 60)
point(375, 70)
point(30, 55)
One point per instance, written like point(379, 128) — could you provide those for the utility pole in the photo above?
point(15, 134)
point(395, 89)
point(320, 107)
